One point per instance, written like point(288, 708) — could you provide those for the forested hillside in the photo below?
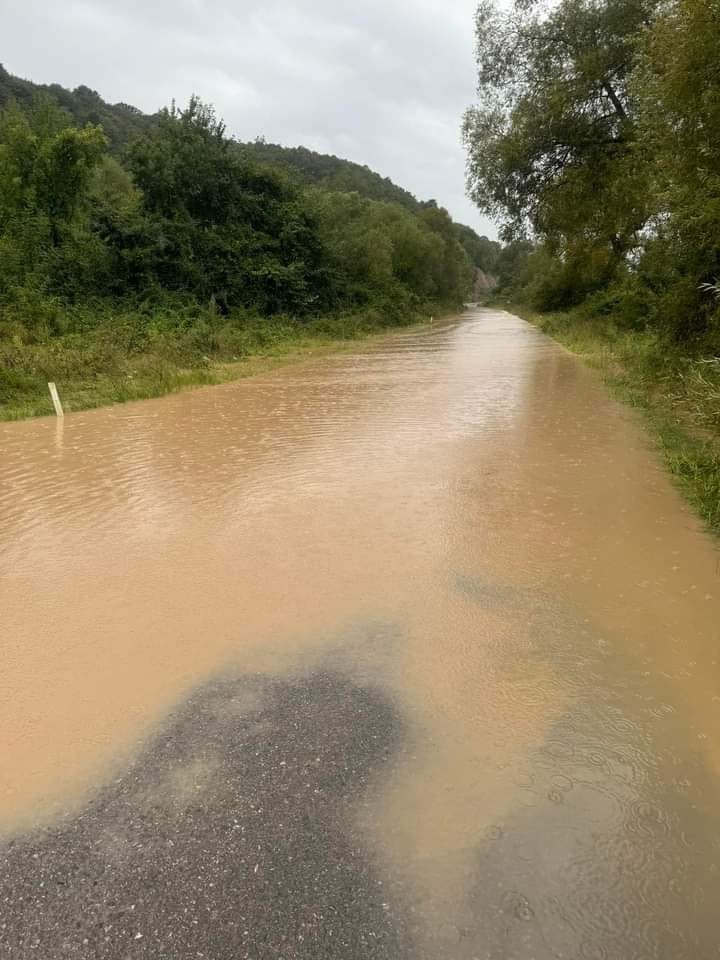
point(596, 140)
point(121, 123)
point(331, 172)
point(336, 175)
point(136, 248)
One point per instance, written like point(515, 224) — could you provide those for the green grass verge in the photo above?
point(120, 360)
point(678, 394)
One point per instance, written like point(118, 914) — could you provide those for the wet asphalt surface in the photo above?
point(231, 836)
point(237, 834)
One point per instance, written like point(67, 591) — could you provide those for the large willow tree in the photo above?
point(551, 139)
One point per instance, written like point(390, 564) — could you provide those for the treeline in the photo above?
point(174, 240)
point(335, 175)
point(187, 214)
point(596, 141)
point(331, 173)
point(121, 122)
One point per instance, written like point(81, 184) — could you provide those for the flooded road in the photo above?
point(410, 652)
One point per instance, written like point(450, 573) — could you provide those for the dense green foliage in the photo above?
point(162, 238)
point(121, 123)
point(483, 253)
point(331, 173)
point(596, 136)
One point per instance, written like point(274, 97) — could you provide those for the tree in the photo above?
point(382, 254)
point(677, 89)
point(455, 277)
point(227, 228)
point(45, 166)
point(482, 252)
point(550, 142)
point(45, 171)
point(330, 172)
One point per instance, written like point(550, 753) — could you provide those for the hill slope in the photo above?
point(332, 173)
point(124, 123)
point(121, 122)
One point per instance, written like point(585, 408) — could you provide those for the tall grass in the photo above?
point(116, 357)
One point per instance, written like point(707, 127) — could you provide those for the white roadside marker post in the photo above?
point(55, 397)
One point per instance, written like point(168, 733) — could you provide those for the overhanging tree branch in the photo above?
point(615, 100)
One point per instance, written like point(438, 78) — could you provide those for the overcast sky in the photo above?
point(381, 82)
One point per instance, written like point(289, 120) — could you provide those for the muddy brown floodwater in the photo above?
point(448, 564)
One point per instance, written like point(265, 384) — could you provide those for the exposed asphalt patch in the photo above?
point(231, 836)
